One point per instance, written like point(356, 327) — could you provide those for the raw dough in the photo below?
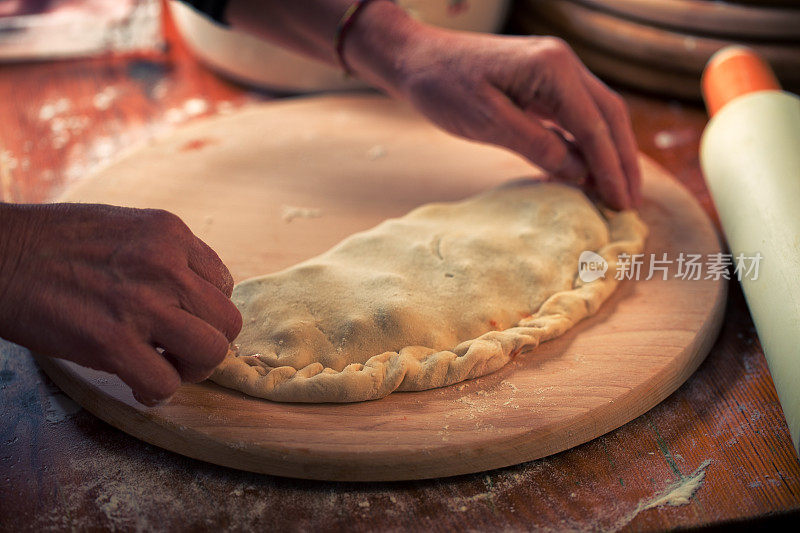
point(446, 293)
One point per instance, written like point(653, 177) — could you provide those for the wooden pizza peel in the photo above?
point(280, 182)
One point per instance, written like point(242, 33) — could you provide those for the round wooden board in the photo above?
point(359, 160)
point(646, 44)
point(618, 70)
point(709, 17)
point(639, 76)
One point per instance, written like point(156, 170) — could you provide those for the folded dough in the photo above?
point(446, 293)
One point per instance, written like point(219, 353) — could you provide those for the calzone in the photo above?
point(448, 292)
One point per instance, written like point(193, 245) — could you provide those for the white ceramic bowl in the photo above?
point(258, 63)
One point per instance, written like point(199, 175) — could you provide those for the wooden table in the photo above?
point(61, 468)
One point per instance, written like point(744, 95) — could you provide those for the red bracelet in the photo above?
point(345, 23)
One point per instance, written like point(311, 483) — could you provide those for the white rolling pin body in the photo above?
point(750, 154)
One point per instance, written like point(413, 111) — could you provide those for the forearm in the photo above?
point(372, 45)
point(15, 231)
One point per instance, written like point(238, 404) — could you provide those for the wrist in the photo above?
point(378, 45)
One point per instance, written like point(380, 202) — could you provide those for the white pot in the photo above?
point(256, 62)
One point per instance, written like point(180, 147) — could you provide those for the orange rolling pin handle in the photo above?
point(732, 72)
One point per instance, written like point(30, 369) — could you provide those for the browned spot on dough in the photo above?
point(196, 144)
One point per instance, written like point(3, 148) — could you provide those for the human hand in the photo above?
point(509, 90)
point(127, 291)
point(531, 95)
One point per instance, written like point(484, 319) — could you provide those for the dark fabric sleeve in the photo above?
point(214, 9)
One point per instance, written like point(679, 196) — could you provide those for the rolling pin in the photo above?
point(750, 156)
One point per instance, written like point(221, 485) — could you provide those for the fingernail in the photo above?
point(150, 402)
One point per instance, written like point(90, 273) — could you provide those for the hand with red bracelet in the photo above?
point(531, 95)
